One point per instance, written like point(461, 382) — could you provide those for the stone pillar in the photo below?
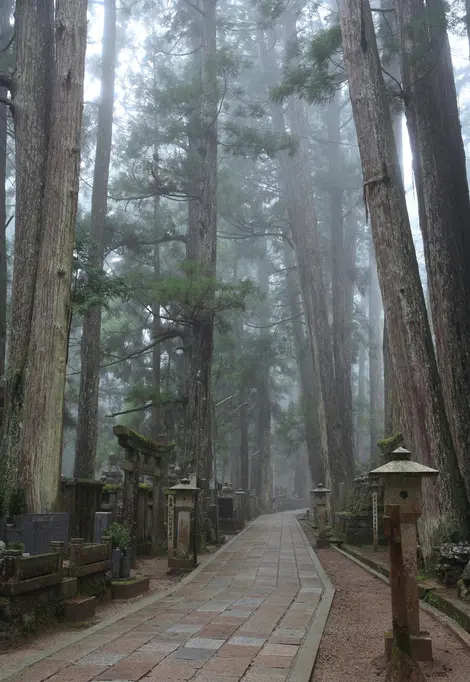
point(58, 546)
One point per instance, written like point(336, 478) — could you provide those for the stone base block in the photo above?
point(421, 646)
point(129, 589)
point(79, 609)
point(68, 588)
point(181, 565)
point(322, 543)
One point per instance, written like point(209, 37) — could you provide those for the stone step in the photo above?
point(79, 609)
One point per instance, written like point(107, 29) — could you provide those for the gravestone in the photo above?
point(39, 530)
point(102, 522)
point(225, 508)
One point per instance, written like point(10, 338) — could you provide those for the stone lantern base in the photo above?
point(322, 543)
point(421, 647)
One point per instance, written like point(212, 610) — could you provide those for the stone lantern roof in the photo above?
point(401, 463)
point(185, 486)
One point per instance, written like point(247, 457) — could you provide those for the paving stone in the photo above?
point(263, 674)
point(217, 631)
point(280, 650)
point(205, 643)
point(130, 672)
point(239, 640)
point(192, 654)
point(226, 666)
point(163, 646)
point(236, 613)
point(101, 658)
point(234, 650)
point(274, 661)
point(182, 629)
point(75, 673)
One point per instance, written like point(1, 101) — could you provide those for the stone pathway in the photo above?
point(244, 616)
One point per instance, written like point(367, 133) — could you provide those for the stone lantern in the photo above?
point(240, 498)
point(402, 479)
point(320, 494)
point(182, 526)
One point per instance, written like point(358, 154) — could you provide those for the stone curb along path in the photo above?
point(254, 612)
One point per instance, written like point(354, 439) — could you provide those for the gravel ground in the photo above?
point(352, 644)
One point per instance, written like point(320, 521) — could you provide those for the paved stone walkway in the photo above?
point(244, 616)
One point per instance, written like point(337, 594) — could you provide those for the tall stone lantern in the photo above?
point(320, 494)
point(182, 526)
point(402, 479)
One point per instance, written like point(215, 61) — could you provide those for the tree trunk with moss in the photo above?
point(444, 204)
point(39, 452)
point(412, 356)
point(31, 93)
point(202, 244)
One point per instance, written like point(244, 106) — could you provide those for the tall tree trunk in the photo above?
point(419, 389)
point(375, 369)
point(305, 369)
point(341, 291)
point(31, 94)
point(440, 171)
point(361, 395)
point(87, 429)
point(41, 441)
point(391, 56)
point(6, 8)
point(264, 388)
point(296, 182)
point(201, 248)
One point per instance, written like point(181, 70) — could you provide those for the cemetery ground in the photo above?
point(258, 610)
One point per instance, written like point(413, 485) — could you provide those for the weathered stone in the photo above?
point(102, 522)
point(452, 560)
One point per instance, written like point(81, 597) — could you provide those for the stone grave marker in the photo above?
point(102, 522)
point(39, 530)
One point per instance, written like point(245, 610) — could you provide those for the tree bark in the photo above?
point(441, 178)
point(341, 288)
point(41, 438)
point(375, 369)
point(361, 401)
point(264, 490)
point(6, 8)
point(201, 248)
point(418, 385)
point(31, 93)
point(87, 429)
point(389, 24)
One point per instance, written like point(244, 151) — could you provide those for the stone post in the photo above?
point(320, 504)
point(75, 551)
point(403, 488)
point(58, 546)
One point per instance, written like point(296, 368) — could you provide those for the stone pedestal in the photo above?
point(421, 646)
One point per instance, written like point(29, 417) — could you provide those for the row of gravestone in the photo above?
point(37, 531)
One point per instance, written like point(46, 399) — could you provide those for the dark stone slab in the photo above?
point(37, 531)
point(103, 520)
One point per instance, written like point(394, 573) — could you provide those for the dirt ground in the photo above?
point(352, 646)
point(154, 568)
